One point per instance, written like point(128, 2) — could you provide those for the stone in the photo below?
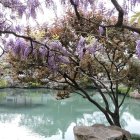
point(100, 132)
point(135, 94)
point(126, 133)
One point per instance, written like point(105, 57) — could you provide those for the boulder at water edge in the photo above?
point(100, 132)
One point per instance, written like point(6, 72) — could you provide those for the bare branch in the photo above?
point(108, 75)
point(130, 28)
point(128, 89)
point(24, 37)
point(75, 9)
point(75, 85)
point(2, 51)
point(120, 12)
point(134, 29)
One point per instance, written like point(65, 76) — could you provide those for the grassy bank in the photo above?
point(135, 137)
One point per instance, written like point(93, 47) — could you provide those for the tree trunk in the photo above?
point(108, 118)
point(116, 118)
point(113, 119)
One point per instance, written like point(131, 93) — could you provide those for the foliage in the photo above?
point(32, 85)
point(135, 18)
point(3, 83)
point(134, 75)
point(123, 89)
point(135, 137)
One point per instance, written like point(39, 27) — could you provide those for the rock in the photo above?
point(100, 132)
point(135, 94)
point(126, 133)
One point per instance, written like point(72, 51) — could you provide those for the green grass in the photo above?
point(135, 137)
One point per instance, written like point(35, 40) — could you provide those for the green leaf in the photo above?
point(136, 15)
point(133, 19)
point(139, 21)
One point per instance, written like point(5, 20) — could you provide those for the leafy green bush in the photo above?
point(34, 84)
point(3, 83)
point(135, 137)
point(123, 89)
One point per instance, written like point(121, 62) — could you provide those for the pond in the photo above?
point(34, 114)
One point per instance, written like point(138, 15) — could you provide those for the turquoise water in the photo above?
point(34, 114)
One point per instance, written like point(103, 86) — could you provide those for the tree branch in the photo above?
point(2, 51)
point(24, 37)
point(75, 85)
point(75, 9)
point(120, 12)
point(134, 29)
point(128, 89)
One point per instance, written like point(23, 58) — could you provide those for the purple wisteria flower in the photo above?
point(81, 47)
point(52, 63)
point(91, 2)
point(101, 6)
point(101, 30)
point(15, 2)
point(133, 2)
point(1, 14)
point(19, 47)
point(76, 2)
point(55, 45)
point(12, 17)
point(27, 52)
point(63, 59)
point(92, 48)
point(9, 44)
point(43, 52)
point(33, 5)
point(138, 48)
point(136, 35)
point(18, 28)
point(33, 12)
point(16, 46)
point(21, 10)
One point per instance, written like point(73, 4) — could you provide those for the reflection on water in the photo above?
point(35, 114)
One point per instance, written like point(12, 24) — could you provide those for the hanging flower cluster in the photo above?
point(138, 48)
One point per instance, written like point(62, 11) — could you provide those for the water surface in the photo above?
point(34, 114)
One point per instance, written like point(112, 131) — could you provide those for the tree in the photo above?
point(89, 45)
